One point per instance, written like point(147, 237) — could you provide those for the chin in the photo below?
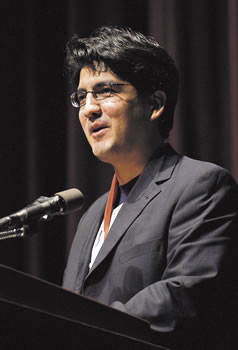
point(105, 156)
point(100, 154)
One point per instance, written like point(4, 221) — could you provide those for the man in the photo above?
point(161, 244)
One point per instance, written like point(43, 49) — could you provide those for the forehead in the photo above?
point(89, 77)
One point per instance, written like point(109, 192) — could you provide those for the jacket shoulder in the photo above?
point(194, 168)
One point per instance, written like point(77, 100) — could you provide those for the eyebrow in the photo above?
point(101, 83)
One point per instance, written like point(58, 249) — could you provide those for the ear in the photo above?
point(158, 103)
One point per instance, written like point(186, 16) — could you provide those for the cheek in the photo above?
point(111, 109)
point(116, 112)
point(120, 123)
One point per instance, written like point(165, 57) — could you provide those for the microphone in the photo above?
point(60, 204)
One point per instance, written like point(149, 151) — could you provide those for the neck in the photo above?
point(132, 166)
point(127, 173)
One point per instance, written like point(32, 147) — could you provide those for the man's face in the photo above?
point(117, 128)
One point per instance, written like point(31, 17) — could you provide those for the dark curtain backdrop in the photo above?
point(43, 150)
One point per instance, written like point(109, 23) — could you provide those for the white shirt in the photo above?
point(100, 235)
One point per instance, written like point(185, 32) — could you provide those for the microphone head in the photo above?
point(73, 199)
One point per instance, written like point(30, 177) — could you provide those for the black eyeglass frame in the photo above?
point(74, 96)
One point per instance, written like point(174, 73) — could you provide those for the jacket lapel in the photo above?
point(148, 186)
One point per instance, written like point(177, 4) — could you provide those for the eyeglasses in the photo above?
point(101, 92)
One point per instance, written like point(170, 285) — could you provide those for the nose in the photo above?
point(92, 108)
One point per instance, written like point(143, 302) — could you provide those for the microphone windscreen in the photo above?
point(73, 199)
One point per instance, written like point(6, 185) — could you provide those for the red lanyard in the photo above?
point(108, 209)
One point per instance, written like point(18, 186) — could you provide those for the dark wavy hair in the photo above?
point(133, 57)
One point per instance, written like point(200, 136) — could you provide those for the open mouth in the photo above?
point(97, 130)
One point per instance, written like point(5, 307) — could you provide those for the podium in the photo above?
point(35, 314)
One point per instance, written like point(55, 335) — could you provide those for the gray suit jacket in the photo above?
point(169, 256)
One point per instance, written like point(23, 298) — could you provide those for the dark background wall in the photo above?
point(42, 148)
